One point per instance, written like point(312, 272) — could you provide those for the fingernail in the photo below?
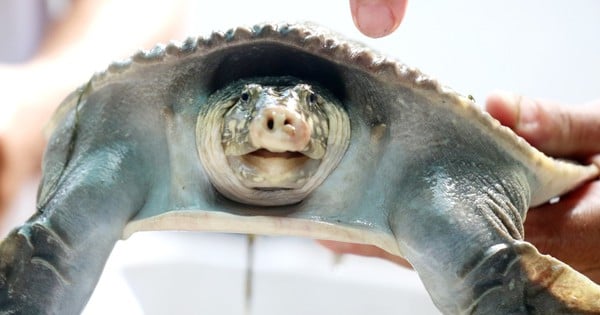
point(527, 119)
point(503, 106)
point(374, 19)
point(519, 112)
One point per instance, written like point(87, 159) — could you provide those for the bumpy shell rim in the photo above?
point(554, 176)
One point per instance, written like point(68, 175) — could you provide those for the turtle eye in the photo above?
point(245, 96)
point(311, 98)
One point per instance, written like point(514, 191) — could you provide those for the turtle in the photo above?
point(292, 129)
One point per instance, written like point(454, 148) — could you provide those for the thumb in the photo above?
point(557, 130)
point(377, 18)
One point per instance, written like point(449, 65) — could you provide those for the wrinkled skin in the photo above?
point(568, 229)
point(425, 175)
point(268, 141)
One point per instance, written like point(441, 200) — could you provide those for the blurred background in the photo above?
point(540, 48)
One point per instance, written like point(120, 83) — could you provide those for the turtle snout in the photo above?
point(279, 129)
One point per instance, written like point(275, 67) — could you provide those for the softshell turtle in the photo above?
point(291, 129)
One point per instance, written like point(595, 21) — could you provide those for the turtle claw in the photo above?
point(33, 254)
point(404, 164)
point(514, 278)
point(554, 285)
point(529, 283)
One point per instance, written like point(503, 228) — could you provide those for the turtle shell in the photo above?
point(426, 174)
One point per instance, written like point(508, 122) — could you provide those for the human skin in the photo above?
point(91, 34)
point(95, 32)
point(377, 18)
point(570, 228)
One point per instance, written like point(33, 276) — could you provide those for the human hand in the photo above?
point(569, 229)
point(377, 18)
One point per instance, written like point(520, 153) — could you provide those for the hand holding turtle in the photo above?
point(570, 228)
point(377, 18)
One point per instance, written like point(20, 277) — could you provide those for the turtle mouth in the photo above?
point(266, 154)
point(267, 170)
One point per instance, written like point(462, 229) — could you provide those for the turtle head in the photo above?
point(279, 140)
point(275, 136)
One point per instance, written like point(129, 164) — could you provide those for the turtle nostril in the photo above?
point(279, 120)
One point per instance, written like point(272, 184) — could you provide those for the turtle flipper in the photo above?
point(38, 273)
point(471, 257)
point(555, 285)
point(514, 278)
point(94, 182)
point(50, 265)
point(33, 254)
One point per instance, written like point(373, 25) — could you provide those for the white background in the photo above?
point(541, 48)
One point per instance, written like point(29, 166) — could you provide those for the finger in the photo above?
point(557, 130)
point(570, 229)
point(377, 18)
point(363, 250)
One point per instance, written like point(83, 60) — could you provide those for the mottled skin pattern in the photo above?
point(254, 97)
point(425, 175)
point(280, 119)
point(271, 141)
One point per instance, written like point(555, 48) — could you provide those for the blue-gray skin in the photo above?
point(425, 175)
point(271, 141)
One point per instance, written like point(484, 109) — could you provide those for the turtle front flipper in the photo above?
point(95, 179)
point(554, 283)
point(51, 264)
point(463, 232)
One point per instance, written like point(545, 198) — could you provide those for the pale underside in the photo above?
point(426, 175)
point(211, 221)
point(547, 177)
point(551, 178)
